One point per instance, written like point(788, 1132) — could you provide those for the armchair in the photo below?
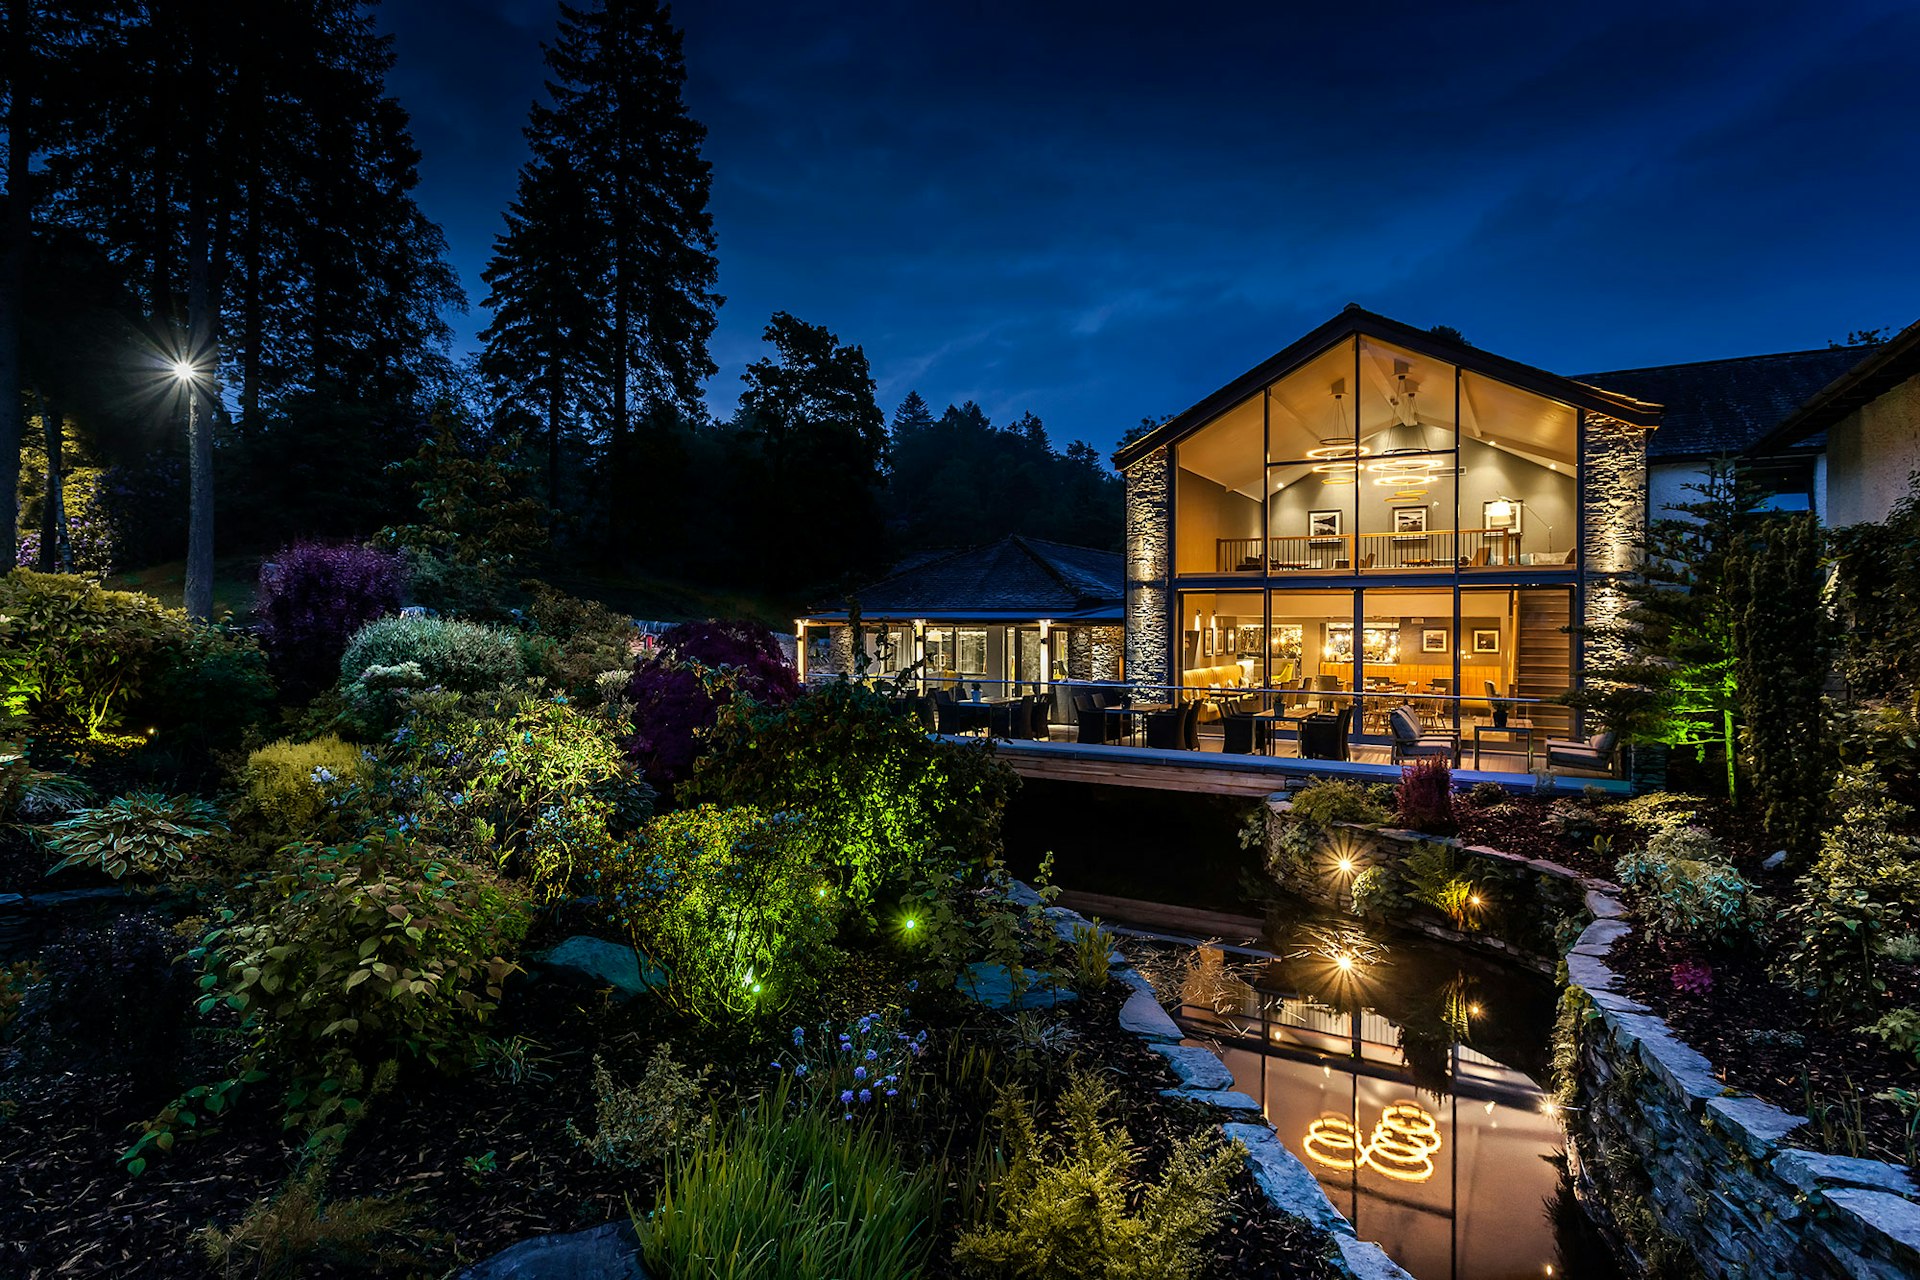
point(1594, 754)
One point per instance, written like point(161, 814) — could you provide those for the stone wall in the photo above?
point(1613, 505)
point(1685, 1169)
point(1149, 585)
point(1079, 653)
point(1108, 645)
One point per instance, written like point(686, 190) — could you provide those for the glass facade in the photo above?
point(1371, 458)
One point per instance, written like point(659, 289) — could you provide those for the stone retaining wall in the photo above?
point(1684, 1166)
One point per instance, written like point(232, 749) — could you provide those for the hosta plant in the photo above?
point(143, 834)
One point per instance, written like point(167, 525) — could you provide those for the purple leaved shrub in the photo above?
point(674, 703)
point(313, 596)
point(1425, 796)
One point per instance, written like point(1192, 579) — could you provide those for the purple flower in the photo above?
point(872, 1054)
point(846, 1095)
point(800, 1070)
point(799, 1036)
point(859, 1073)
point(866, 1095)
point(893, 1093)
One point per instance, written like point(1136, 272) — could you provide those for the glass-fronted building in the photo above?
point(1378, 508)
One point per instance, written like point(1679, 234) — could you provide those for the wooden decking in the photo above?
point(1216, 773)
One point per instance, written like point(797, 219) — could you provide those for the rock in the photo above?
point(1757, 1125)
point(1775, 860)
point(606, 964)
point(1686, 1071)
point(1598, 938)
point(1024, 894)
point(1197, 1068)
point(991, 985)
point(10, 901)
point(1142, 1016)
point(1603, 906)
point(1892, 1216)
point(1368, 1261)
point(607, 1252)
point(1285, 1180)
point(1805, 1170)
point(1584, 970)
point(1225, 1099)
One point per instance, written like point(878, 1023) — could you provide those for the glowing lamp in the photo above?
point(1346, 866)
point(183, 370)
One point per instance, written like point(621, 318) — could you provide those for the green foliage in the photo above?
point(587, 640)
point(143, 834)
point(641, 1125)
point(1899, 1031)
point(1780, 635)
point(1332, 800)
point(523, 778)
point(1685, 893)
point(298, 1228)
point(1862, 889)
point(1665, 670)
point(467, 657)
point(289, 789)
point(34, 795)
point(1901, 948)
point(472, 505)
point(1432, 875)
point(81, 663)
point(1069, 1208)
point(1487, 794)
point(347, 956)
point(735, 903)
point(966, 916)
point(863, 1069)
point(889, 801)
point(1373, 893)
point(1877, 597)
point(16, 980)
point(1092, 958)
point(1656, 811)
point(779, 1195)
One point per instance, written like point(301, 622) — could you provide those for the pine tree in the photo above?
point(617, 117)
point(546, 344)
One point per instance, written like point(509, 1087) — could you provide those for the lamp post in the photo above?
point(199, 583)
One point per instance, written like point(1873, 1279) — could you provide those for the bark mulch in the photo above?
point(1763, 1039)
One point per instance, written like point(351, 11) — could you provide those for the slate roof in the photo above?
point(1876, 373)
point(1712, 408)
point(1020, 576)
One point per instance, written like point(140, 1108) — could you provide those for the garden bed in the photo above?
point(1764, 1039)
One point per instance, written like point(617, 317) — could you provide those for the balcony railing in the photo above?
point(1439, 550)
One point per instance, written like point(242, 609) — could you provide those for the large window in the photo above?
point(957, 652)
point(1223, 640)
point(1378, 459)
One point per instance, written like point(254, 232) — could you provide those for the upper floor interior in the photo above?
point(1382, 450)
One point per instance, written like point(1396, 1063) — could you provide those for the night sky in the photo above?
point(1104, 212)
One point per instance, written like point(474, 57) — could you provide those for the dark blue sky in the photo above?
point(1099, 212)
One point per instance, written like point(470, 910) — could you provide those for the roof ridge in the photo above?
point(1692, 364)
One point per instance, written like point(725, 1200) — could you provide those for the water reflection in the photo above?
point(1389, 1070)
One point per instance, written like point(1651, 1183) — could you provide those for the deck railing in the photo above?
point(1436, 549)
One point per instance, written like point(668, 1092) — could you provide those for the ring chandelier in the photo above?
point(1401, 1147)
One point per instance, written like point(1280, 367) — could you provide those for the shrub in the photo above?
point(1432, 875)
point(1685, 895)
point(143, 834)
point(313, 598)
point(289, 790)
point(677, 695)
point(80, 663)
point(588, 638)
point(1424, 800)
point(464, 656)
point(1487, 794)
point(866, 1068)
point(1899, 1031)
point(964, 916)
point(1657, 811)
point(16, 980)
point(642, 1125)
point(1331, 800)
point(298, 1228)
point(1062, 1206)
point(888, 800)
point(523, 778)
point(779, 1196)
point(1092, 957)
point(1863, 888)
point(34, 795)
point(734, 902)
point(351, 955)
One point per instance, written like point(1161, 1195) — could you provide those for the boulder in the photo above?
point(991, 985)
point(604, 964)
point(608, 1252)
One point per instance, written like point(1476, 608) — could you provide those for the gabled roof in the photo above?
point(1016, 577)
point(1865, 380)
point(1357, 319)
point(1714, 408)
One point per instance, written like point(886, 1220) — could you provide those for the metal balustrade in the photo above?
point(1434, 549)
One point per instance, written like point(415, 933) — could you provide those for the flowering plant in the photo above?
point(862, 1068)
point(1692, 978)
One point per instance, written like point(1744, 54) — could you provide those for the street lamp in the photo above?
point(199, 584)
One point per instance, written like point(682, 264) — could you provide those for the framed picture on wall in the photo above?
point(1323, 524)
point(1503, 514)
point(1433, 640)
point(1486, 641)
point(1207, 642)
point(1410, 519)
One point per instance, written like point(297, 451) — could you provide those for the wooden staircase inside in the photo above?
point(1543, 661)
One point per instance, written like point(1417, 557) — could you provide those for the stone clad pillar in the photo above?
point(1613, 527)
point(1149, 568)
